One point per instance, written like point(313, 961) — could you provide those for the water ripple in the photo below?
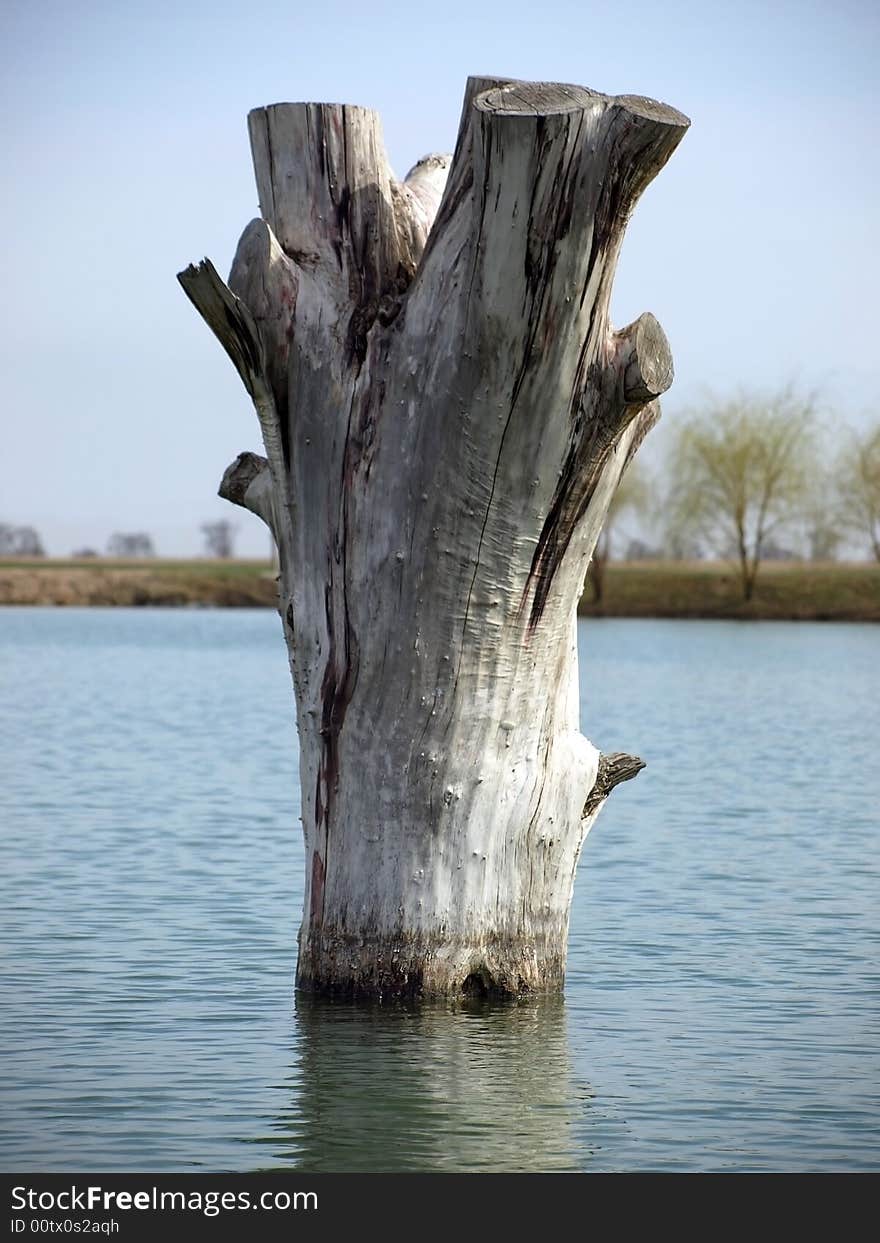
point(721, 1003)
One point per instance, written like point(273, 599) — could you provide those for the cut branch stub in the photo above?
point(613, 769)
point(248, 483)
point(645, 360)
point(421, 192)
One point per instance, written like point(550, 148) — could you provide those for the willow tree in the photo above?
point(742, 470)
point(446, 413)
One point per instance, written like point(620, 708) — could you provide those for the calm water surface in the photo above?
point(721, 1008)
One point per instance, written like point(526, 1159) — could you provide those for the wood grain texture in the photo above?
point(446, 411)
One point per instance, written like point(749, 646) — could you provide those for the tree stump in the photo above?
point(446, 413)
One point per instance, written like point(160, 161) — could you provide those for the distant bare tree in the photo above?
point(742, 470)
point(859, 483)
point(20, 541)
point(130, 544)
point(219, 538)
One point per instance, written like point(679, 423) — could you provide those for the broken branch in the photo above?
point(613, 769)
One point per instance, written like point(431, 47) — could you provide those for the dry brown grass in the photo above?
point(839, 591)
point(233, 584)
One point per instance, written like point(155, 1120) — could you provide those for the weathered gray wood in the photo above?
point(233, 323)
point(447, 412)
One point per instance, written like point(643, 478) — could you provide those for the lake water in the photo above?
point(721, 1007)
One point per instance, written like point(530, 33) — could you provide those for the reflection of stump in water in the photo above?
point(470, 1087)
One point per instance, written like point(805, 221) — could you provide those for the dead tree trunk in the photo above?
point(446, 412)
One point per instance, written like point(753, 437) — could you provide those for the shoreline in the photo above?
point(785, 591)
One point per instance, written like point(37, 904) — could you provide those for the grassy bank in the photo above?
point(795, 591)
point(826, 592)
point(102, 581)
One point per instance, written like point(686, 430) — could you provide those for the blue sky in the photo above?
point(126, 157)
